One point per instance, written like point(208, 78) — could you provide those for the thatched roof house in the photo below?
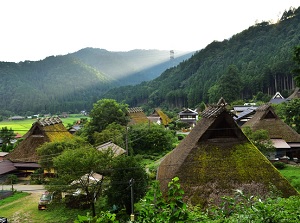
point(216, 158)
point(266, 118)
point(159, 117)
point(42, 131)
point(137, 116)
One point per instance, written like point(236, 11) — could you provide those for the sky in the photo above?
point(35, 29)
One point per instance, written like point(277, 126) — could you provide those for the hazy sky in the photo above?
point(35, 29)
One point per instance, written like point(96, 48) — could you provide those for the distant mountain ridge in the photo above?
point(73, 82)
point(132, 67)
point(262, 57)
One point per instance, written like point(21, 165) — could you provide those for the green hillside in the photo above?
point(52, 85)
point(73, 82)
point(259, 58)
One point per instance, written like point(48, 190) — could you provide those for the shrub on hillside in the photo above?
point(279, 165)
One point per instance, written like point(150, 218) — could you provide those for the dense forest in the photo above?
point(73, 82)
point(251, 65)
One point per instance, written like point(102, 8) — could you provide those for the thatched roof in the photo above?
point(216, 158)
point(158, 114)
point(266, 118)
point(117, 150)
point(137, 116)
point(295, 94)
point(42, 131)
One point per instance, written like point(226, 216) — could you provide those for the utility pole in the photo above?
point(126, 140)
point(131, 181)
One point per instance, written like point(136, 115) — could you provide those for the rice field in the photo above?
point(22, 126)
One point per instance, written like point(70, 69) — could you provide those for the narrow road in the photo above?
point(24, 188)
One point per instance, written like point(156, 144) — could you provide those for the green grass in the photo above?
point(23, 207)
point(22, 126)
point(15, 197)
point(292, 174)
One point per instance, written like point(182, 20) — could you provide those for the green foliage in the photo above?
point(151, 139)
point(296, 58)
point(48, 151)
point(105, 112)
point(75, 170)
point(262, 53)
point(279, 165)
point(124, 169)
point(260, 139)
point(247, 208)
point(7, 135)
point(154, 208)
point(113, 132)
point(103, 217)
point(290, 112)
point(12, 179)
point(230, 85)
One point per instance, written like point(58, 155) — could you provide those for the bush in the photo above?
point(279, 165)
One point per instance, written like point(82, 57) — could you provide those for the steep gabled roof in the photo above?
point(42, 131)
point(159, 114)
point(188, 111)
point(277, 99)
point(137, 116)
point(266, 118)
point(216, 158)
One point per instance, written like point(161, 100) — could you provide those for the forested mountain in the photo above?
point(73, 82)
point(132, 67)
point(256, 62)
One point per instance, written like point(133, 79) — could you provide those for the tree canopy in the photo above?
point(126, 170)
point(76, 169)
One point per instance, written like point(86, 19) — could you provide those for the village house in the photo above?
point(278, 98)
point(137, 116)
point(188, 116)
point(23, 160)
point(285, 139)
point(159, 117)
point(216, 159)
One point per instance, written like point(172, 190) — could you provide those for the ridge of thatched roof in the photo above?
point(295, 94)
point(41, 131)
point(158, 113)
point(215, 159)
point(266, 118)
point(137, 116)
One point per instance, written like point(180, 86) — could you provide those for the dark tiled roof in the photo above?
point(6, 166)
